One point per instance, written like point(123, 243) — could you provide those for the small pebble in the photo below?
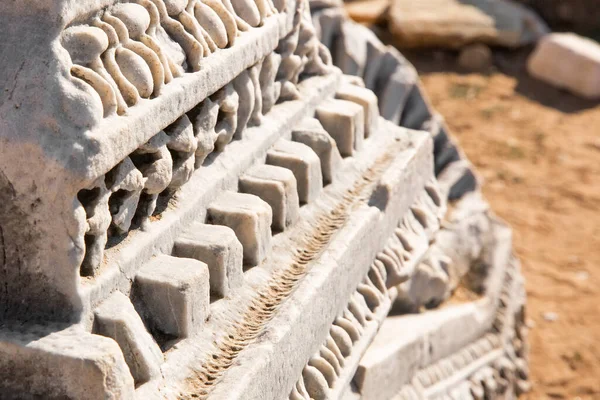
point(582, 276)
point(475, 57)
point(530, 323)
point(550, 316)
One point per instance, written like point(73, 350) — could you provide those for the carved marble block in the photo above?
point(196, 203)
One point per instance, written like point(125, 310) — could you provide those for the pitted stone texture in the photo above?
point(568, 61)
point(48, 363)
point(366, 99)
point(304, 164)
point(175, 294)
point(344, 121)
point(117, 319)
point(311, 133)
point(250, 218)
point(277, 186)
point(219, 248)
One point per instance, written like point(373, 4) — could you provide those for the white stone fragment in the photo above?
point(550, 316)
point(116, 318)
point(344, 121)
point(218, 247)
point(568, 61)
point(277, 186)
point(250, 218)
point(304, 164)
point(175, 294)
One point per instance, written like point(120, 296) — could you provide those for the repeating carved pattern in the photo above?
point(393, 264)
point(500, 356)
point(127, 195)
point(131, 50)
point(160, 166)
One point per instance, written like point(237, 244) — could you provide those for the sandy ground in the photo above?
point(538, 150)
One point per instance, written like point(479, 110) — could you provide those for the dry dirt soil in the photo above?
point(538, 151)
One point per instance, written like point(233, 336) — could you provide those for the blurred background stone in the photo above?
point(453, 23)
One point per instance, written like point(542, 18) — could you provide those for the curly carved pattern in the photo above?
point(127, 196)
point(302, 54)
point(131, 50)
